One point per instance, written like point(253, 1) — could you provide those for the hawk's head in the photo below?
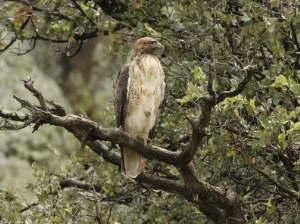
point(146, 45)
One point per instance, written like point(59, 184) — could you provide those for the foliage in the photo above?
point(252, 140)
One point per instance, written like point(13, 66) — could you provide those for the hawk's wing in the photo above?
point(120, 99)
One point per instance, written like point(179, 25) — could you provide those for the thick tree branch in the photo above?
point(88, 131)
point(218, 204)
point(199, 126)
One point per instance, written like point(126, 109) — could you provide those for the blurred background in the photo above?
point(82, 84)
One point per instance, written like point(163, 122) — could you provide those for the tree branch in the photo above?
point(14, 115)
point(220, 205)
point(217, 203)
point(238, 89)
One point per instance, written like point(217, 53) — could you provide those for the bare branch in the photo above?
point(28, 83)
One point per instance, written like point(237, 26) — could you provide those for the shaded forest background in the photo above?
point(81, 84)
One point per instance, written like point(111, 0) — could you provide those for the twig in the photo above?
point(28, 207)
point(290, 193)
point(28, 83)
point(242, 133)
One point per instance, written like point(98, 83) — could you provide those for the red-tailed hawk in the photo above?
point(140, 98)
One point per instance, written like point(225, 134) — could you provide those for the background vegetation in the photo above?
point(235, 62)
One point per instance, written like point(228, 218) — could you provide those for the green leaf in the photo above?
point(245, 17)
point(270, 24)
point(42, 221)
point(281, 137)
point(264, 123)
point(231, 153)
point(10, 196)
point(297, 194)
point(184, 99)
point(295, 127)
point(42, 196)
point(252, 103)
point(34, 166)
point(56, 219)
point(279, 81)
point(295, 88)
point(292, 114)
point(198, 73)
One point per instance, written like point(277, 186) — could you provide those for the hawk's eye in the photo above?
point(152, 42)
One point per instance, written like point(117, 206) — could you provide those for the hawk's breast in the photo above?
point(145, 93)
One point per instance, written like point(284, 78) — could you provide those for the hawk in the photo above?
point(140, 99)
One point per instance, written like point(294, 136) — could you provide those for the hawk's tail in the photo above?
point(132, 163)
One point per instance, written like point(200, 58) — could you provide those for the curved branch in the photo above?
point(238, 90)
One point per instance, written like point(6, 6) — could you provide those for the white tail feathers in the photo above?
point(132, 163)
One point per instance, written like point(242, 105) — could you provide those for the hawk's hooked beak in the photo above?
point(159, 49)
point(162, 48)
